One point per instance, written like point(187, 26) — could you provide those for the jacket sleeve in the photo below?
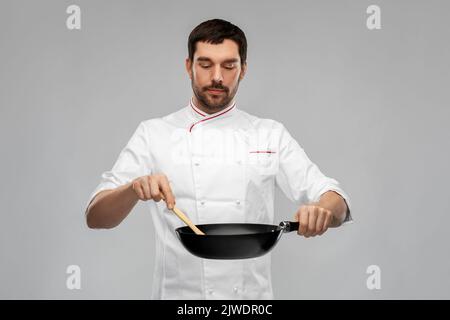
point(300, 179)
point(133, 161)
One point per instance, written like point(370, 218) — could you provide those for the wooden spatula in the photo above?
point(186, 220)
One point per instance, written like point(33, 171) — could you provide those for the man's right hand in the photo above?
point(154, 187)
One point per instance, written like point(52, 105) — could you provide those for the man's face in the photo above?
point(215, 73)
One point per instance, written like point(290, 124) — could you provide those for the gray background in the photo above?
point(370, 108)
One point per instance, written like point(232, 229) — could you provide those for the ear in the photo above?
point(188, 64)
point(243, 70)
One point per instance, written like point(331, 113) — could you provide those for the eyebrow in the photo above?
point(206, 59)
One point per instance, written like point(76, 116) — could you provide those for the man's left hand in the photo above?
point(314, 220)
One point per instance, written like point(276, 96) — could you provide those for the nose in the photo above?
point(217, 76)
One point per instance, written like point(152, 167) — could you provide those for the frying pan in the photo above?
point(233, 240)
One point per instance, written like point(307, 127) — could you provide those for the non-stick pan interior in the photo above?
point(230, 229)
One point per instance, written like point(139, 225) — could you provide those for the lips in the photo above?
point(215, 91)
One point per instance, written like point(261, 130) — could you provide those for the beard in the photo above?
point(214, 102)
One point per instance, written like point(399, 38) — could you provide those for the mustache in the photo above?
point(216, 87)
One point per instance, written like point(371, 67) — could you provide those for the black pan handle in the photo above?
point(289, 226)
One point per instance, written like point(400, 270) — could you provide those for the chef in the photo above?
point(218, 164)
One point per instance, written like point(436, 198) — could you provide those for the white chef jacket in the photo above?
point(222, 167)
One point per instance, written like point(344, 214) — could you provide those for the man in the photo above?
point(218, 164)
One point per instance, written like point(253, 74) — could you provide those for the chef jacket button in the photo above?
point(238, 202)
point(235, 289)
point(238, 161)
point(196, 164)
point(202, 202)
point(210, 291)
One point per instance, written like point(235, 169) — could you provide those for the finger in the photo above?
point(320, 220)
point(311, 221)
point(167, 191)
point(326, 224)
point(138, 190)
point(323, 231)
point(296, 219)
point(145, 183)
point(154, 189)
point(303, 219)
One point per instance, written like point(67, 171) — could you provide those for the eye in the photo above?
point(229, 66)
point(205, 66)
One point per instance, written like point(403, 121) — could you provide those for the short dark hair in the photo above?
point(215, 31)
